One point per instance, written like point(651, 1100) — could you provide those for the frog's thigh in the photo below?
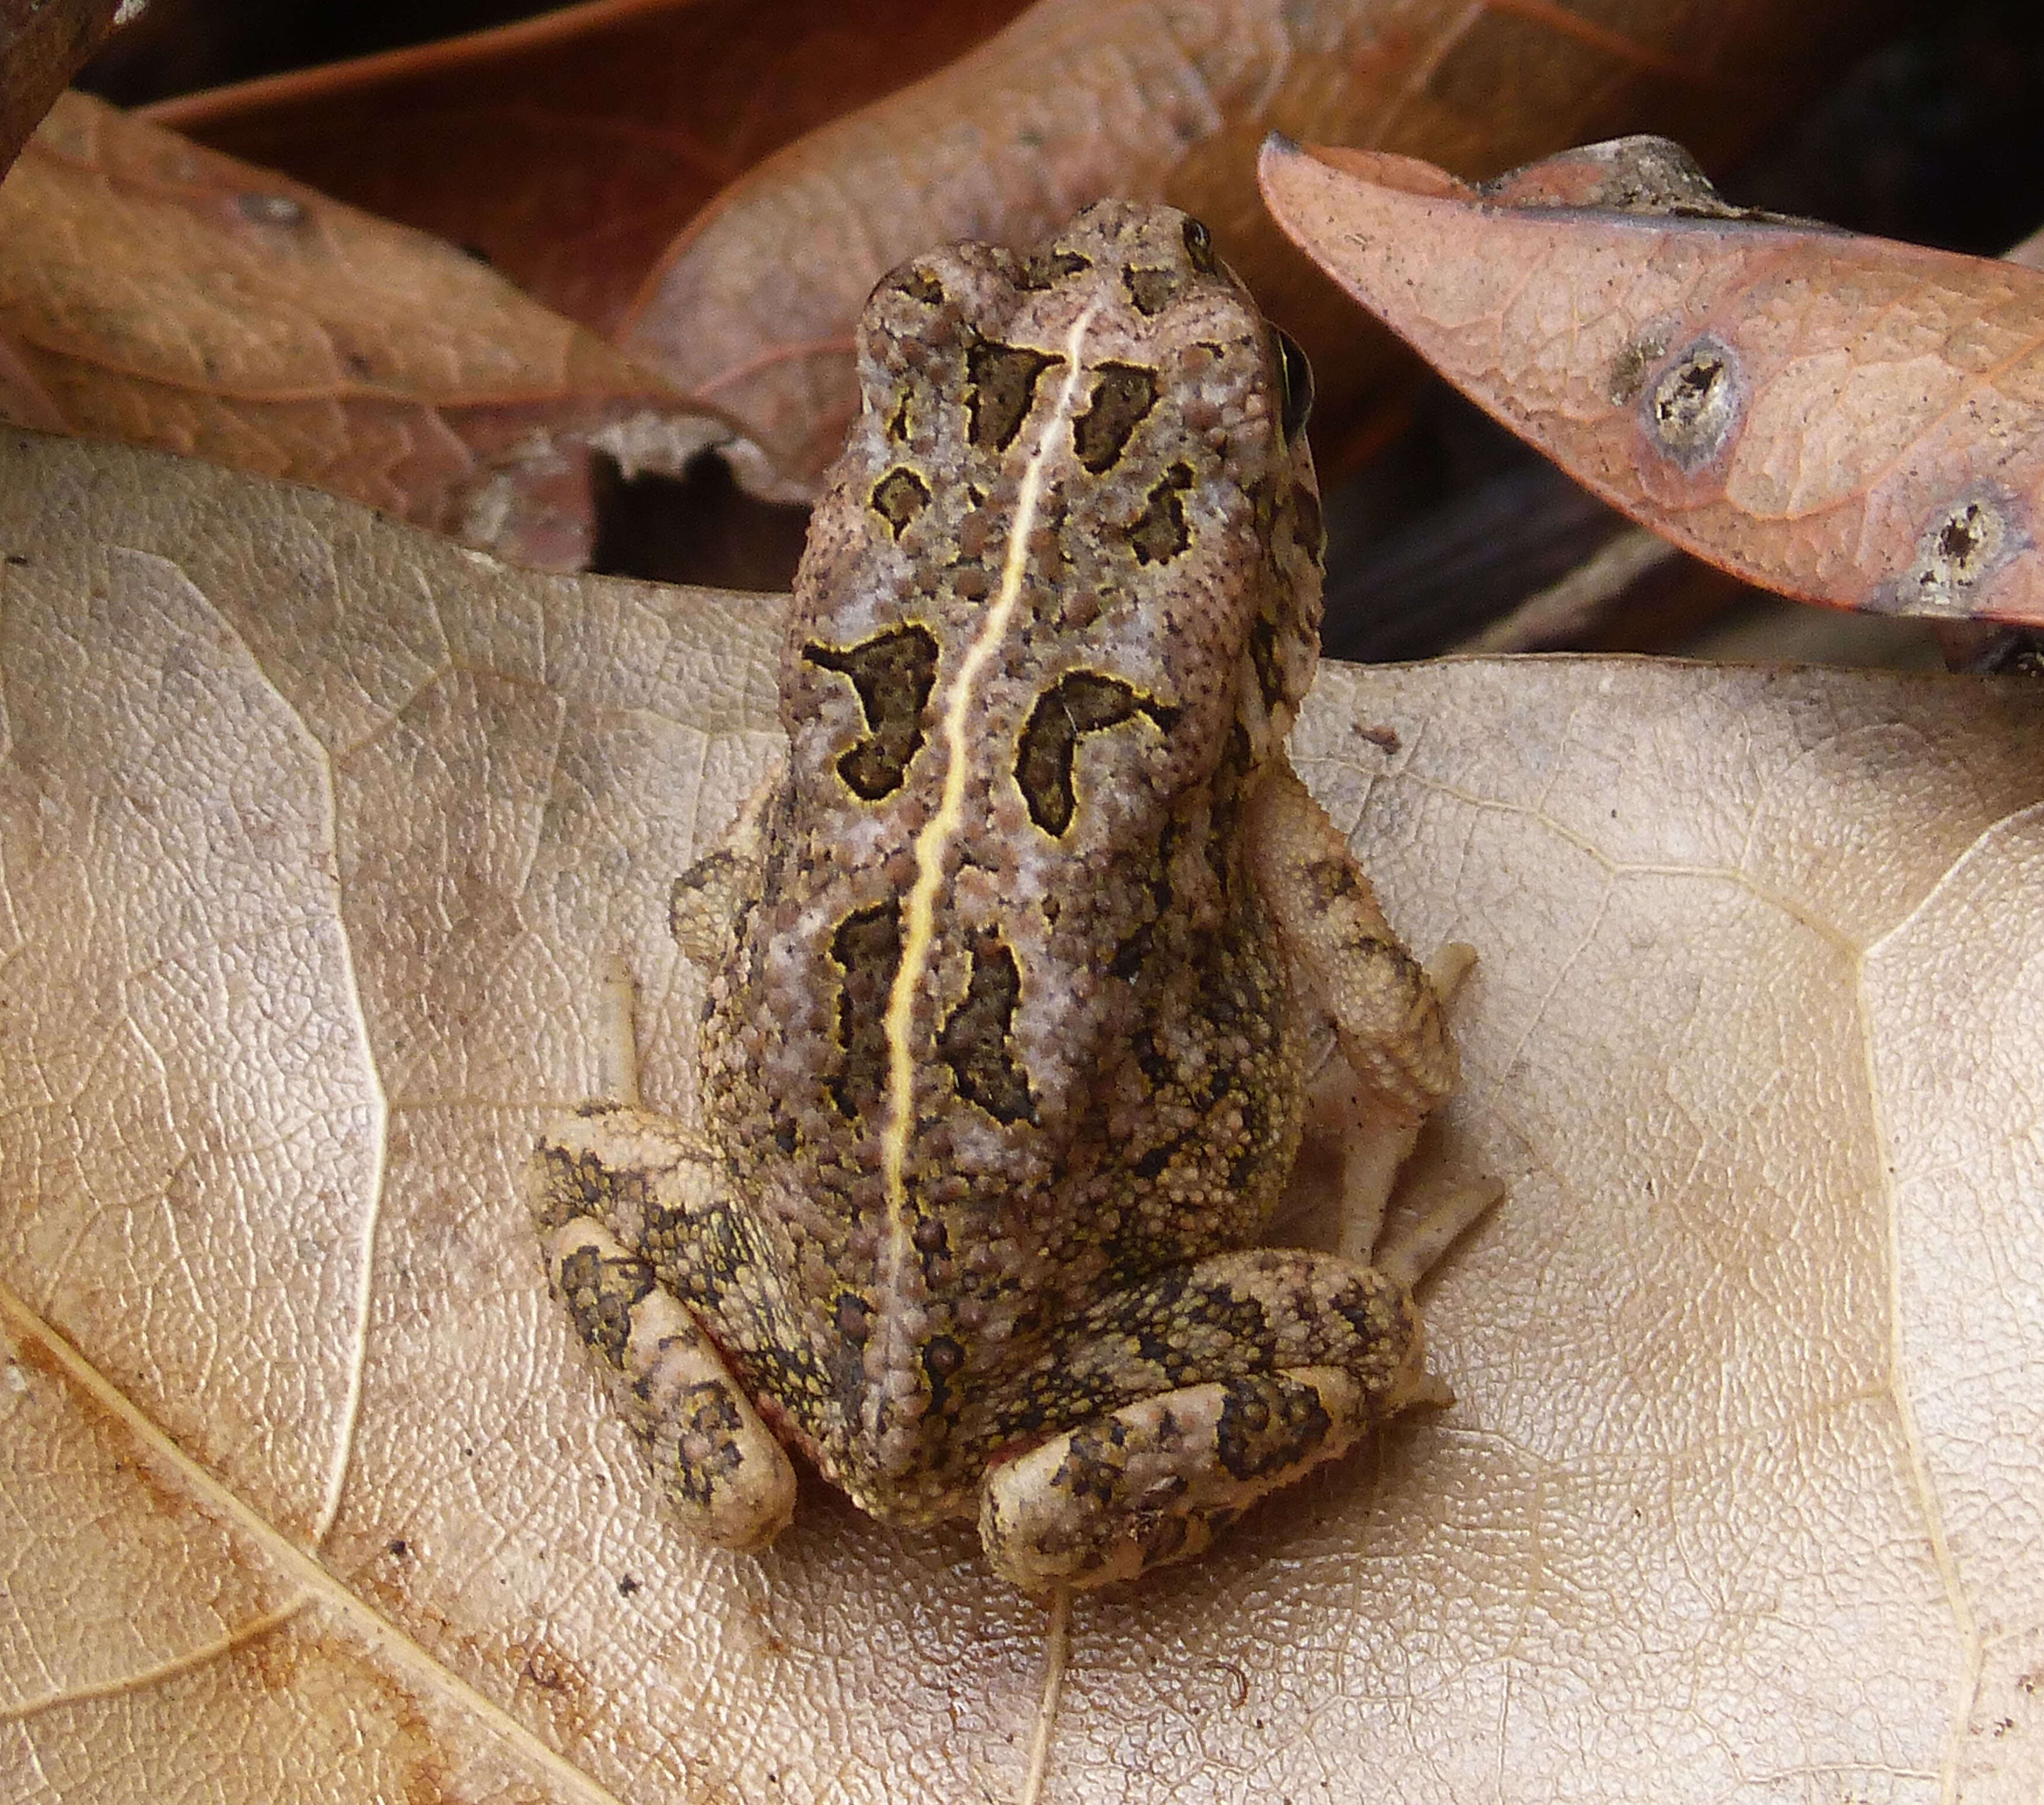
point(600, 1173)
point(1183, 1402)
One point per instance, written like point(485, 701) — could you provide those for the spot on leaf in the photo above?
point(1691, 410)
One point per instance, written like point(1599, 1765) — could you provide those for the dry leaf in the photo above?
point(320, 841)
point(42, 46)
point(161, 293)
point(1845, 420)
point(570, 148)
point(1082, 99)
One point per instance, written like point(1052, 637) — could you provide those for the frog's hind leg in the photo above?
point(1176, 1404)
point(602, 1181)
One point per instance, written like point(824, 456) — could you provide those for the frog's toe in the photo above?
point(727, 1478)
point(1157, 1480)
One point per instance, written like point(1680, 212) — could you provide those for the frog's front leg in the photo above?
point(604, 1184)
point(1395, 1063)
point(1193, 1395)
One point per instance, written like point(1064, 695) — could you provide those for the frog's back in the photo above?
point(1004, 1029)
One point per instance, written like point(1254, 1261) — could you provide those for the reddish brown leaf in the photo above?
point(1080, 98)
point(569, 149)
point(163, 294)
point(1846, 420)
point(42, 46)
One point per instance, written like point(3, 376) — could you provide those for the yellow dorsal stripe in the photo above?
point(919, 922)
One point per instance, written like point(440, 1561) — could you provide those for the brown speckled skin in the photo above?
point(1095, 1075)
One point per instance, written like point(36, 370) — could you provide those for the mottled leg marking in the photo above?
point(595, 1181)
point(1192, 1397)
point(1382, 1001)
point(1365, 1109)
point(707, 899)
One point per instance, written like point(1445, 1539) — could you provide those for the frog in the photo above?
point(1030, 967)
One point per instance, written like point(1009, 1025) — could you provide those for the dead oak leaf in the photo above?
point(323, 846)
point(1841, 419)
point(753, 307)
point(570, 148)
point(158, 293)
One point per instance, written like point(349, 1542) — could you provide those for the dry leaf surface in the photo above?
point(320, 840)
point(161, 293)
point(571, 148)
point(1843, 418)
point(1078, 99)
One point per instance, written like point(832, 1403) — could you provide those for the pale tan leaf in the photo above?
point(320, 841)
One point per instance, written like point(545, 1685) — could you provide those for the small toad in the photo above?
point(1030, 966)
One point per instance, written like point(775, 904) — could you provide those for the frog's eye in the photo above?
point(1199, 247)
point(1295, 383)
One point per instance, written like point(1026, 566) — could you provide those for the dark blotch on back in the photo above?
point(899, 497)
point(893, 672)
point(867, 947)
point(1080, 702)
point(1048, 268)
point(1123, 395)
point(975, 1041)
point(1157, 534)
point(1001, 383)
point(1151, 291)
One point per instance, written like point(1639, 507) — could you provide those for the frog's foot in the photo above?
point(1187, 1400)
point(602, 1172)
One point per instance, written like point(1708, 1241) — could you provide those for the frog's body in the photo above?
point(1019, 964)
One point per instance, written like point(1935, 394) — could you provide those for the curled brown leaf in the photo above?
point(570, 148)
point(1846, 420)
point(154, 291)
point(754, 306)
